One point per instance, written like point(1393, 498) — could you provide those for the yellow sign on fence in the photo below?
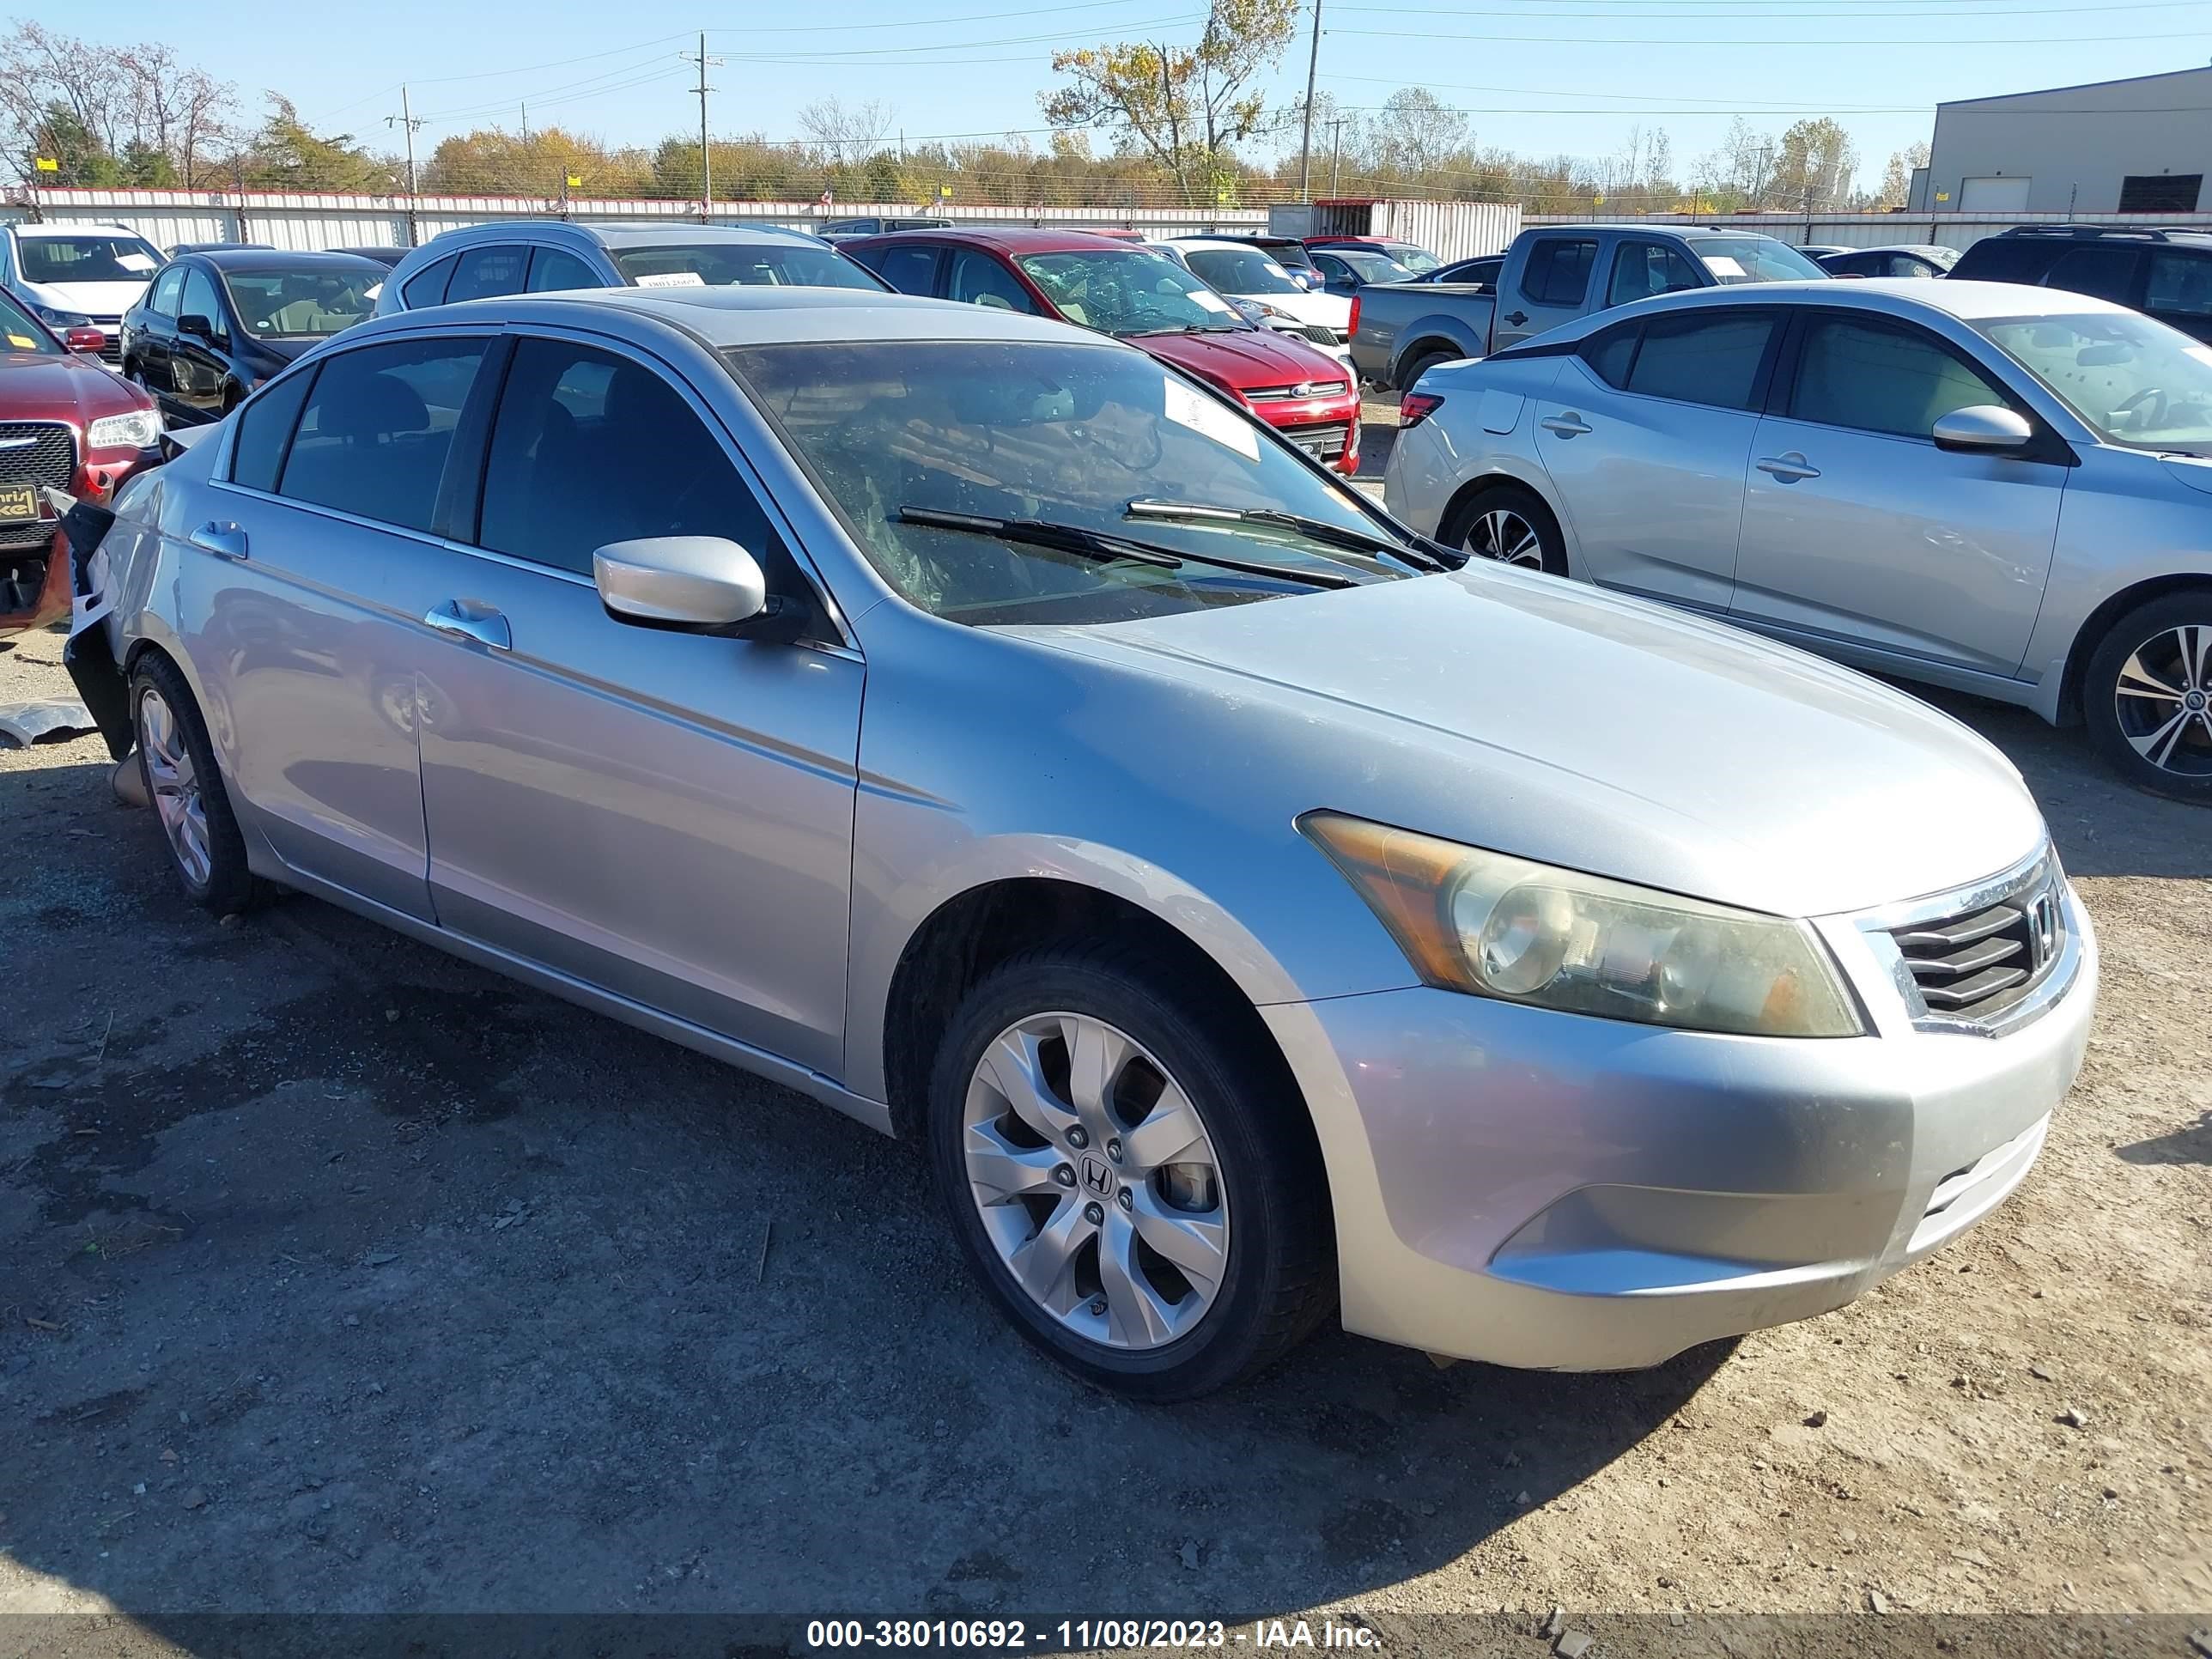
point(46, 164)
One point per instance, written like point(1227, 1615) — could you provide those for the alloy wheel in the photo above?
point(1504, 535)
point(2163, 700)
point(1096, 1180)
point(175, 785)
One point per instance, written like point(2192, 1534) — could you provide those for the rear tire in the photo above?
point(177, 762)
point(1509, 525)
point(2147, 696)
point(1421, 365)
point(1187, 1141)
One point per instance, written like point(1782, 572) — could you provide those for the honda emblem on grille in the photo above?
point(2043, 929)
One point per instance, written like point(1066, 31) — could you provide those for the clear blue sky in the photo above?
point(1538, 76)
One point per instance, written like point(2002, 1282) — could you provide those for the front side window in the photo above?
point(2131, 378)
point(483, 273)
point(589, 448)
point(21, 334)
point(2180, 283)
point(722, 264)
point(1877, 379)
point(374, 435)
point(1128, 292)
point(88, 259)
point(161, 298)
point(2100, 271)
point(1067, 434)
point(1712, 359)
point(1241, 270)
point(199, 300)
point(300, 305)
point(1558, 271)
point(1641, 269)
point(977, 279)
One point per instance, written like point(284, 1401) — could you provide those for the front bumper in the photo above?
point(1564, 1193)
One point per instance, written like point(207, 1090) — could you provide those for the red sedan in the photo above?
point(67, 421)
point(1140, 296)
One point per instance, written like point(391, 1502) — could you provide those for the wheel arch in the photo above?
point(1430, 336)
point(1459, 512)
point(2100, 622)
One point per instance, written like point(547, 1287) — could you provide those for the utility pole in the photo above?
point(525, 127)
point(1759, 188)
point(706, 161)
point(405, 121)
point(1305, 140)
point(1335, 151)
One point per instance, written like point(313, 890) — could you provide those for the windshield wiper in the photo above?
point(1108, 548)
point(1319, 529)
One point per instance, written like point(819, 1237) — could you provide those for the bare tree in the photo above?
point(178, 111)
point(58, 93)
point(847, 134)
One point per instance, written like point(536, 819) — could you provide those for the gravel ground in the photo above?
point(338, 1276)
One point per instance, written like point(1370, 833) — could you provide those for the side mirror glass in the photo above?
point(192, 323)
point(696, 582)
point(1982, 426)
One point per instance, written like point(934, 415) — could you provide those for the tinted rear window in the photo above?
point(426, 287)
point(265, 427)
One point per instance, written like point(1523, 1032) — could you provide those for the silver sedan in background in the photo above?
point(2005, 491)
point(971, 721)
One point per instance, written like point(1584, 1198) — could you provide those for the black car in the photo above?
point(384, 254)
point(212, 326)
point(2165, 273)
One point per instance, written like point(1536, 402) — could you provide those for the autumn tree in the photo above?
point(108, 117)
point(1183, 107)
point(1897, 176)
point(1814, 163)
point(492, 161)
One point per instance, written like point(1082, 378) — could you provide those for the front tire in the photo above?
point(2146, 697)
point(1137, 1189)
point(177, 762)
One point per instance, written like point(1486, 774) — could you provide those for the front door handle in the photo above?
point(1567, 425)
point(1516, 317)
point(472, 619)
point(1789, 468)
point(220, 537)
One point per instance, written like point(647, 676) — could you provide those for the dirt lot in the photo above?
point(338, 1276)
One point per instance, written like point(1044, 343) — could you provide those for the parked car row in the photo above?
point(1000, 731)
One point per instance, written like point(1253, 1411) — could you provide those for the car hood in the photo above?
point(1313, 305)
point(1255, 357)
point(93, 299)
point(1602, 733)
point(71, 388)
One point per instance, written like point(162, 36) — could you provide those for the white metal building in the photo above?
point(2141, 145)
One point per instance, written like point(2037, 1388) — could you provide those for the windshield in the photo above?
point(719, 265)
point(2134, 380)
point(21, 334)
point(1415, 260)
point(301, 305)
point(1376, 267)
point(87, 258)
point(1753, 259)
point(1127, 291)
point(1241, 270)
point(1067, 434)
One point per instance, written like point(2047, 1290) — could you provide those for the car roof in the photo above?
point(263, 258)
point(1896, 296)
point(625, 234)
point(743, 314)
point(66, 229)
point(1217, 244)
point(1011, 239)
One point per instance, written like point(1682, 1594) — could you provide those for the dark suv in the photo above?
point(2165, 273)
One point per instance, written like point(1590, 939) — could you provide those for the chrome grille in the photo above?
point(1319, 334)
point(1974, 963)
point(1324, 441)
point(1303, 389)
point(111, 350)
point(35, 452)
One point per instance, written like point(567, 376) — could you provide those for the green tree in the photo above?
point(1813, 164)
point(287, 155)
point(1183, 107)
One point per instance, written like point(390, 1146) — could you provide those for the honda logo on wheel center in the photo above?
point(1097, 1176)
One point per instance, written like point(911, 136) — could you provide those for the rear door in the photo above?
point(309, 628)
point(909, 267)
point(1858, 528)
point(2179, 290)
point(1646, 433)
point(2107, 270)
point(1553, 287)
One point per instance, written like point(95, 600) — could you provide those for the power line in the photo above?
point(1857, 40)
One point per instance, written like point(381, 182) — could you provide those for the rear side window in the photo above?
point(1557, 272)
point(264, 428)
point(1894, 381)
point(2004, 259)
point(373, 434)
point(909, 270)
point(1609, 353)
point(2101, 272)
point(426, 287)
point(483, 272)
point(2180, 283)
point(589, 448)
point(552, 268)
point(1702, 359)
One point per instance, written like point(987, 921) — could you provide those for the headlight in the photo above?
point(63, 318)
point(1522, 932)
point(139, 429)
point(1267, 310)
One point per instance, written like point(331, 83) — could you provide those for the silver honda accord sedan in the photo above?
point(972, 723)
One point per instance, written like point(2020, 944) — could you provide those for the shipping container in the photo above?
point(1450, 230)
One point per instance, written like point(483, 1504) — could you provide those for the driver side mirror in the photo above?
point(1982, 428)
point(694, 584)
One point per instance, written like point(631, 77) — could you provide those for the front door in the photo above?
point(1647, 432)
point(197, 364)
point(1857, 527)
point(664, 816)
point(1551, 289)
point(305, 581)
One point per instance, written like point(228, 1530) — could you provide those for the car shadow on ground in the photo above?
point(340, 1274)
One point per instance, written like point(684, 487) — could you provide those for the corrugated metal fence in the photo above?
point(308, 221)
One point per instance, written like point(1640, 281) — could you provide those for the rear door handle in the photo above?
point(220, 537)
point(472, 619)
point(1516, 317)
point(1787, 468)
point(1568, 425)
